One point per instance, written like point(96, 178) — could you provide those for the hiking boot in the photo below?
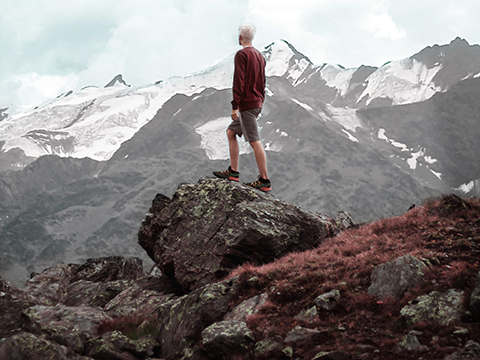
point(228, 174)
point(260, 185)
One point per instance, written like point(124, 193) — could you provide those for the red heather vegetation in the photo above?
point(444, 231)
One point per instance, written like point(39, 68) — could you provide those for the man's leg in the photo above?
point(261, 158)
point(234, 149)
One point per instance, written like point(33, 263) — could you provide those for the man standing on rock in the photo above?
point(248, 96)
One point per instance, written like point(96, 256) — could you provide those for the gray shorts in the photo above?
point(246, 125)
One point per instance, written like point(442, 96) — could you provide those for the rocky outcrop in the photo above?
point(108, 308)
point(208, 229)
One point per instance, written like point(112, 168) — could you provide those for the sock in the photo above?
point(263, 180)
point(230, 168)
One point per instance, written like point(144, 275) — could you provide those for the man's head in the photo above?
point(246, 33)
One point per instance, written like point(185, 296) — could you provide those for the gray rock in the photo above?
point(50, 287)
point(94, 294)
point(225, 338)
point(207, 230)
point(344, 220)
point(141, 348)
point(181, 321)
point(409, 343)
point(443, 308)
point(334, 355)
point(308, 315)
point(269, 349)
point(392, 279)
point(69, 326)
point(299, 334)
point(470, 352)
point(328, 301)
point(102, 349)
point(247, 308)
point(475, 300)
point(26, 346)
point(12, 302)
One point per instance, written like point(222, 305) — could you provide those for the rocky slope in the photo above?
point(298, 285)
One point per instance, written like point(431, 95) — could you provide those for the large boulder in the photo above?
point(392, 279)
point(210, 228)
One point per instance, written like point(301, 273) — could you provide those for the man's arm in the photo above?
point(238, 80)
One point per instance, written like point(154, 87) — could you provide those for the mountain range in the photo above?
point(78, 172)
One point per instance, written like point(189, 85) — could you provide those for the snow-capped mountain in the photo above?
point(370, 141)
point(94, 122)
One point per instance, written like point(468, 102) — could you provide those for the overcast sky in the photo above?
point(51, 46)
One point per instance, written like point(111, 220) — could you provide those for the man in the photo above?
point(248, 97)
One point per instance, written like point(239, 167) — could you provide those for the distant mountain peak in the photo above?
point(117, 80)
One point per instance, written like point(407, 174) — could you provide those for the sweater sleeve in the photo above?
point(238, 79)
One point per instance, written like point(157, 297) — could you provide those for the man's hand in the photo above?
point(234, 115)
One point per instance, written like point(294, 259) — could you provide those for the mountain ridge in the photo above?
point(326, 153)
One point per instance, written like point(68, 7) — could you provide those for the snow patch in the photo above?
point(279, 59)
point(346, 117)
point(350, 136)
point(337, 77)
point(405, 81)
point(466, 188)
point(303, 105)
point(214, 140)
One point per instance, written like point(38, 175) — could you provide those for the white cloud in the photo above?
point(149, 40)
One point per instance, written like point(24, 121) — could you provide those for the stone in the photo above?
point(208, 229)
point(392, 279)
point(225, 338)
point(344, 220)
point(300, 334)
point(442, 308)
point(142, 348)
point(409, 343)
point(12, 302)
point(26, 346)
point(69, 326)
point(50, 286)
point(333, 355)
point(269, 349)
point(139, 299)
point(308, 315)
point(328, 301)
point(247, 308)
point(182, 320)
point(94, 294)
point(110, 269)
point(475, 300)
point(102, 349)
point(471, 352)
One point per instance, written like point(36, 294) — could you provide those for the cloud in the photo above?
point(88, 42)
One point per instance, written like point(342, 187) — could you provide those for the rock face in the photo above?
point(207, 230)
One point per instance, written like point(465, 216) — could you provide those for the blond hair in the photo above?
point(247, 31)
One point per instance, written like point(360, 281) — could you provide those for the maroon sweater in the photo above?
point(248, 79)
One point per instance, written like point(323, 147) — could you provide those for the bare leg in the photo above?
point(233, 148)
point(260, 157)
